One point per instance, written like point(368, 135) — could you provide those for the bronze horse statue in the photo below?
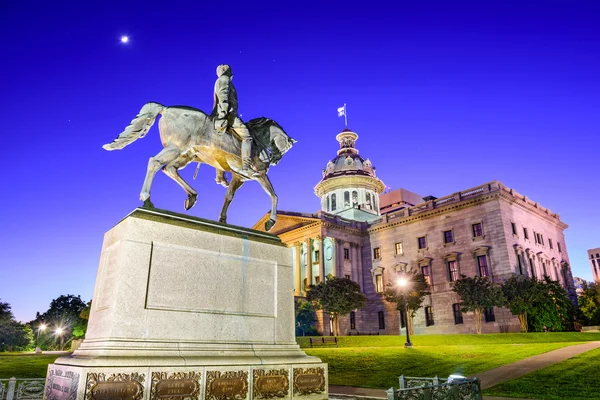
point(188, 134)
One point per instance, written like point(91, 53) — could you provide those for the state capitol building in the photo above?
point(370, 237)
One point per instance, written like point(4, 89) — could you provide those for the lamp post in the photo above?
point(42, 327)
point(403, 284)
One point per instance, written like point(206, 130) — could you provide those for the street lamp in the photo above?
point(42, 327)
point(403, 284)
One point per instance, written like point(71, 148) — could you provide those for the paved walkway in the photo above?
point(507, 372)
point(488, 378)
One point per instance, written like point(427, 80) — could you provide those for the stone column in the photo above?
point(308, 261)
point(298, 277)
point(359, 267)
point(321, 258)
point(339, 265)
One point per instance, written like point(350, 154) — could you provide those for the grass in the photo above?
point(25, 365)
point(459, 340)
point(380, 367)
point(573, 379)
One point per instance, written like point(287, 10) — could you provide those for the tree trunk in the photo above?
point(334, 323)
point(523, 322)
point(410, 323)
point(477, 316)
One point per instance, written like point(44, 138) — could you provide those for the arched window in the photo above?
point(346, 199)
point(333, 205)
point(368, 201)
point(354, 198)
point(327, 203)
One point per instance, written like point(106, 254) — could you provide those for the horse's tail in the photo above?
point(138, 128)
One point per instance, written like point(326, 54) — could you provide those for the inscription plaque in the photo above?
point(271, 383)
point(61, 384)
point(115, 387)
point(176, 386)
point(309, 380)
point(228, 385)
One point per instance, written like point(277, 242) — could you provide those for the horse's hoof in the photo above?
point(269, 224)
point(190, 201)
point(148, 203)
point(223, 220)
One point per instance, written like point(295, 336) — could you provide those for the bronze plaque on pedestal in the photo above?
point(115, 387)
point(229, 385)
point(271, 383)
point(61, 384)
point(309, 380)
point(176, 386)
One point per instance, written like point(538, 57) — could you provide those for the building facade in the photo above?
point(594, 257)
point(371, 237)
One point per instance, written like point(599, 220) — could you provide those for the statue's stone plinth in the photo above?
point(186, 308)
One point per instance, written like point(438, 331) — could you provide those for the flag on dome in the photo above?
point(342, 111)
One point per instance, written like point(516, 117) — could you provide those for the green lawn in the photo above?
point(457, 340)
point(25, 365)
point(573, 379)
point(380, 367)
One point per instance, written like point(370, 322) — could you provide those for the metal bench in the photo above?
point(323, 341)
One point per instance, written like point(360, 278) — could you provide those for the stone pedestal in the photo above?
point(186, 308)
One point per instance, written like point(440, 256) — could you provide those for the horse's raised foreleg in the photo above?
point(234, 185)
point(172, 171)
point(165, 156)
point(265, 183)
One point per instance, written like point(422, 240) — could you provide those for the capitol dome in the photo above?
point(349, 187)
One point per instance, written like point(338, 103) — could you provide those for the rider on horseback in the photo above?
point(225, 114)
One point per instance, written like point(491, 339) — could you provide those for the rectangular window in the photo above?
point(426, 271)
point(532, 268)
point(352, 320)
point(594, 263)
point(477, 230)
point(559, 248)
point(550, 244)
point(381, 320)
point(346, 254)
point(514, 228)
point(317, 254)
point(525, 233)
point(402, 322)
point(489, 315)
point(347, 276)
point(398, 248)
point(448, 237)
point(535, 237)
point(520, 264)
point(429, 316)
point(422, 242)
point(458, 318)
point(317, 279)
point(379, 283)
point(376, 253)
point(482, 264)
point(452, 270)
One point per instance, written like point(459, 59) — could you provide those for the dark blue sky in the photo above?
point(444, 96)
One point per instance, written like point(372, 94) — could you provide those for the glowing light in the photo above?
point(124, 39)
point(42, 327)
point(402, 282)
point(59, 331)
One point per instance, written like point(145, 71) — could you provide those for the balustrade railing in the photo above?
point(22, 389)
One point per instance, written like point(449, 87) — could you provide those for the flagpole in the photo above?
point(345, 116)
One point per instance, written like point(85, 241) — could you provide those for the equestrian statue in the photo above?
point(220, 139)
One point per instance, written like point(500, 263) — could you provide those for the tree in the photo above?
point(65, 312)
point(305, 319)
point(13, 333)
point(417, 290)
point(552, 310)
point(476, 295)
point(520, 294)
point(589, 304)
point(337, 297)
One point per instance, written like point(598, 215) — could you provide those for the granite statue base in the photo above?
point(186, 308)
